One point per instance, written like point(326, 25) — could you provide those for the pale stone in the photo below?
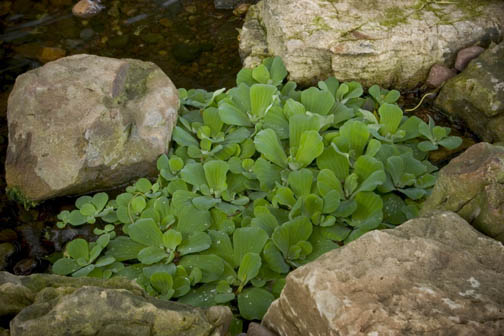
point(430, 276)
point(85, 123)
point(390, 43)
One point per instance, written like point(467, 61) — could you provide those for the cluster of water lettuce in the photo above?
point(261, 179)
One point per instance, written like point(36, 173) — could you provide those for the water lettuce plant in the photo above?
point(260, 179)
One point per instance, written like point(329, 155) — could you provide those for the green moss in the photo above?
point(394, 16)
point(319, 22)
point(16, 195)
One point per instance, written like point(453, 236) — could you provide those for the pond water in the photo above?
point(195, 45)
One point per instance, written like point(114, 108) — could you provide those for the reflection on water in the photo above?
point(195, 44)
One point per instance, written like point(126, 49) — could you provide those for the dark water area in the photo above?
point(193, 43)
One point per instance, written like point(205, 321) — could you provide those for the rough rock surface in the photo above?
point(477, 95)
point(392, 43)
point(430, 276)
point(45, 304)
point(472, 185)
point(85, 123)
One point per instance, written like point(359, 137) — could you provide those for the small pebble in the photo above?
point(438, 75)
point(465, 55)
point(86, 33)
point(87, 8)
point(241, 9)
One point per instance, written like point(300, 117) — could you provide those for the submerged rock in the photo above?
point(45, 304)
point(477, 95)
point(87, 8)
point(85, 123)
point(393, 44)
point(430, 276)
point(472, 185)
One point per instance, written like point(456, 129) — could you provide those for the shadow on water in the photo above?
point(195, 45)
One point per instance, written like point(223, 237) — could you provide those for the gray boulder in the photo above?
point(477, 95)
point(85, 123)
point(472, 185)
point(45, 304)
point(390, 43)
point(430, 276)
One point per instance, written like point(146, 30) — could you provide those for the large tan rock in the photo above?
point(430, 276)
point(472, 185)
point(46, 304)
point(391, 43)
point(85, 123)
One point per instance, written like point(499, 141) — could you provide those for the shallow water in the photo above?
point(195, 45)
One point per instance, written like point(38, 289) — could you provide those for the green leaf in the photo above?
point(298, 124)
point(276, 120)
point(248, 239)
point(138, 204)
point(291, 232)
point(327, 181)
point(451, 142)
point(145, 231)
point(332, 201)
point(215, 174)
point(143, 185)
point(193, 173)
point(265, 221)
point(210, 265)
point(88, 209)
point(368, 203)
point(337, 163)
point(162, 282)
point(183, 138)
point(205, 202)
point(261, 98)
point(254, 302)
point(292, 108)
point(277, 70)
point(232, 115)
point(274, 258)
point(301, 181)
point(357, 135)
point(196, 242)
point(267, 143)
point(261, 74)
point(249, 268)
point(65, 266)
point(244, 76)
point(392, 96)
point(284, 196)
point(99, 201)
point(310, 147)
point(221, 246)
point(123, 248)
point(151, 255)
point(78, 248)
point(172, 239)
point(390, 118)
point(266, 173)
point(317, 101)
